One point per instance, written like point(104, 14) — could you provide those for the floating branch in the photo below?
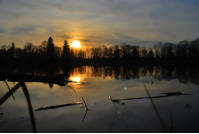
point(58, 106)
point(167, 94)
point(175, 93)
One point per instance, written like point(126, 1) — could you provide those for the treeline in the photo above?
point(48, 53)
point(182, 52)
point(44, 54)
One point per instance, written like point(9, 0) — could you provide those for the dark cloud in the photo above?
point(51, 30)
point(2, 30)
point(64, 36)
point(126, 39)
point(86, 40)
point(24, 29)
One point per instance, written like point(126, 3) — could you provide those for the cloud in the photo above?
point(25, 29)
point(64, 36)
point(86, 40)
point(108, 21)
point(121, 38)
point(2, 31)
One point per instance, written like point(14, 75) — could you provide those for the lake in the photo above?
point(104, 99)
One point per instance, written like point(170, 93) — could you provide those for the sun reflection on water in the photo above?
point(76, 79)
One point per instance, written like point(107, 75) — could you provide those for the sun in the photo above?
point(76, 44)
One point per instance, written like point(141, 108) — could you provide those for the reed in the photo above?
point(156, 110)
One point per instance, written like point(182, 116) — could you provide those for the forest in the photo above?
point(184, 52)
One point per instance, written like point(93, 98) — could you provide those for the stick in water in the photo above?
point(85, 104)
point(155, 108)
point(9, 89)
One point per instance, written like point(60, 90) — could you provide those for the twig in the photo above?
point(86, 108)
point(75, 92)
point(32, 117)
point(84, 117)
point(9, 93)
point(171, 122)
point(9, 89)
point(118, 113)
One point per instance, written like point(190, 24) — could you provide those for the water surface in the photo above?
point(177, 113)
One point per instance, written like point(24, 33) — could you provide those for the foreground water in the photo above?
point(175, 113)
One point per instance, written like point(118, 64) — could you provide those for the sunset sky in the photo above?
point(98, 22)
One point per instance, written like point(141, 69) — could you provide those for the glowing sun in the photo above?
point(76, 44)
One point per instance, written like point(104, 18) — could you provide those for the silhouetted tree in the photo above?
point(181, 51)
point(150, 55)
point(144, 53)
point(11, 51)
point(170, 54)
point(66, 55)
point(194, 50)
point(50, 48)
point(81, 54)
point(135, 53)
point(29, 48)
point(116, 53)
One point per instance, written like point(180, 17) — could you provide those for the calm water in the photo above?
point(177, 113)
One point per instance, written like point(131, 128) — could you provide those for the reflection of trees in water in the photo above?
point(51, 75)
point(60, 75)
point(183, 73)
